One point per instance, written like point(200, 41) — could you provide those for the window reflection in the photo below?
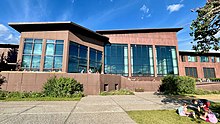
point(77, 58)
point(95, 60)
point(142, 60)
point(166, 60)
point(54, 55)
point(32, 54)
point(116, 59)
point(204, 59)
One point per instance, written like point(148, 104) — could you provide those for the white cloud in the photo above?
point(7, 36)
point(146, 11)
point(111, 0)
point(174, 7)
point(3, 28)
point(181, 1)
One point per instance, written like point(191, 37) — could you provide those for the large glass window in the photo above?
point(77, 58)
point(95, 60)
point(54, 55)
point(116, 59)
point(213, 59)
point(204, 59)
point(166, 60)
point(209, 72)
point(32, 54)
point(217, 59)
point(142, 60)
point(191, 71)
point(192, 58)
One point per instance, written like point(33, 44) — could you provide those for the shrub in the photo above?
point(117, 92)
point(3, 94)
point(2, 80)
point(178, 85)
point(62, 87)
point(139, 90)
point(215, 79)
point(205, 92)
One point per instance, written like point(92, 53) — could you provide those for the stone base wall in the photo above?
point(93, 84)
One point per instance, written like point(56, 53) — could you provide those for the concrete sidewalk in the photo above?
point(90, 109)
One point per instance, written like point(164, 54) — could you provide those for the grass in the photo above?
point(42, 99)
point(161, 117)
point(118, 92)
point(170, 116)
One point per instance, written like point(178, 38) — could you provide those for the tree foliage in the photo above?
point(206, 26)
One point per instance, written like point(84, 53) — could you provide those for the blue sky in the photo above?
point(101, 14)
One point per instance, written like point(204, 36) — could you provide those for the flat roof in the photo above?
point(9, 46)
point(193, 51)
point(55, 26)
point(138, 30)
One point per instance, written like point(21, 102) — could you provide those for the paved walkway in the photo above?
point(89, 110)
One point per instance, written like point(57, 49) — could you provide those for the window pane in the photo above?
point(59, 49)
point(217, 59)
point(28, 40)
point(26, 61)
point(50, 41)
point(58, 62)
point(38, 41)
point(166, 60)
point(48, 62)
point(37, 49)
point(59, 41)
point(83, 52)
point(115, 57)
point(204, 59)
point(36, 62)
point(213, 59)
point(27, 48)
point(50, 49)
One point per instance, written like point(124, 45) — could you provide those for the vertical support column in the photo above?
point(20, 49)
point(88, 52)
point(66, 45)
point(44, 44)
point(103, 60)
point(129, 60)
point(154, 59)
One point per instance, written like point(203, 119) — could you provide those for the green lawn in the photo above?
point(161, 117)
point(42, 99)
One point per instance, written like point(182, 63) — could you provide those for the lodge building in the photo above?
point(131, 54)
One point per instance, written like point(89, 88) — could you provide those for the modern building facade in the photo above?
point(68, 47)
point(103, 60)
point(197, 65)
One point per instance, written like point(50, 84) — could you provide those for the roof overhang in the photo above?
point(56, 26)
point(193, 52)
point(142, 30)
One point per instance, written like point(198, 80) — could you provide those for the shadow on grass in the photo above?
point(180, 99)
point(175, 99)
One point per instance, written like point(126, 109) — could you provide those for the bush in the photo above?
point(62, 87)
point(139, 90)
point(205, 92)
point(3, 94)
point(117, 92)
point(2, 80)
point(215, 79)
point(177, 85)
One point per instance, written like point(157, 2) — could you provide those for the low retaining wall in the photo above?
point(33, 81)
point(208, 86)
point(93, 84)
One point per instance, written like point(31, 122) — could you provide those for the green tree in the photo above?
point(206, 26)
